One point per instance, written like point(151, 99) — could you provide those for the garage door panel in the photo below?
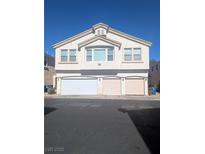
point(111, 87)
point(134, 87)
point(79, 87)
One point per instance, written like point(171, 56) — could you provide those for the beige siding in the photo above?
point(134, 87)
point(111, 87)
point(126, 69)
point(118, 62)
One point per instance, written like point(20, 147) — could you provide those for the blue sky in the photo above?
point(65, 18)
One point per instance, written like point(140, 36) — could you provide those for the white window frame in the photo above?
point(106, 54)
point(68, 56)
point(132, 55)
point(64, 56)
point(102, 32)
point(113, 55)
point(75, 56)
point(98, 32)
point(137, 54)
point(105, 50)
point(86, 55)
point(124, 55)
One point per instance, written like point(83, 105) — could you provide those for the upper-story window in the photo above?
point(68, 56)
point(137, 54)
point(72, 55)
point(110, 54)
point(64, 55)
point(132, 54)
point(99, 54)
point(128, 54)
point(89, 55)
point(100, 32)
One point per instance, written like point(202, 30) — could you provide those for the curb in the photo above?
point(150, 98)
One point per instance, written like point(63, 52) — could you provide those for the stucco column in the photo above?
point(123, 86)
point(54, 81)
point(58, 89)
point(99, 86)
point(146, 86)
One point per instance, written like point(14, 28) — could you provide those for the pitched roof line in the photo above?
point(95, 38)
point(112, 30)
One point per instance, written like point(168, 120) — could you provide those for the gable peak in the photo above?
point(100, 24)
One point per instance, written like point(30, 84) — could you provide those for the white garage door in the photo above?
point(78, 87)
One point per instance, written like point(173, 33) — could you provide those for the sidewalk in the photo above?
point(152, 97)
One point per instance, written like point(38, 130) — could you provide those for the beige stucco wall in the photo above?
point(116, 64)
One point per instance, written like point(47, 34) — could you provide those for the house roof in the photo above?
point(109, 29)
point(100, 25)
point(96, 38)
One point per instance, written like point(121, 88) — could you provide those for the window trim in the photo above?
point(102, 50)
point(124, 55)
point(102, 32)
point(98, 32)
point(68, 57)
point(63, 56)
point(137, 54)
point(87, 55)
point(109, 55)
point(106, 54)
point(132, 55)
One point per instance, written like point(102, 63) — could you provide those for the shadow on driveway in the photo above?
point(48, 110)
point(147, 122)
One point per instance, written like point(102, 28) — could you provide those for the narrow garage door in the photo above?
point(134, 87)
point(78, 87)
point(111, 87)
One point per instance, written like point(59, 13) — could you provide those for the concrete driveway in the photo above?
point(101, 126)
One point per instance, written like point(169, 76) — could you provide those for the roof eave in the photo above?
point(128, 36)
point(56, 45)
point(112, 30)
point(99, 25)
point(118, 44)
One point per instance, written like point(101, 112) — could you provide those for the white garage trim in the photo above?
point(102, 85)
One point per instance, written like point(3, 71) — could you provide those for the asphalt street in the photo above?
point(97, 126)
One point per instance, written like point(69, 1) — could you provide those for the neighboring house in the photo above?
point(102, 61)
point(154, 73)
point(49, 70)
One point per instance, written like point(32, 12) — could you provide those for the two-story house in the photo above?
point(102, 61)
